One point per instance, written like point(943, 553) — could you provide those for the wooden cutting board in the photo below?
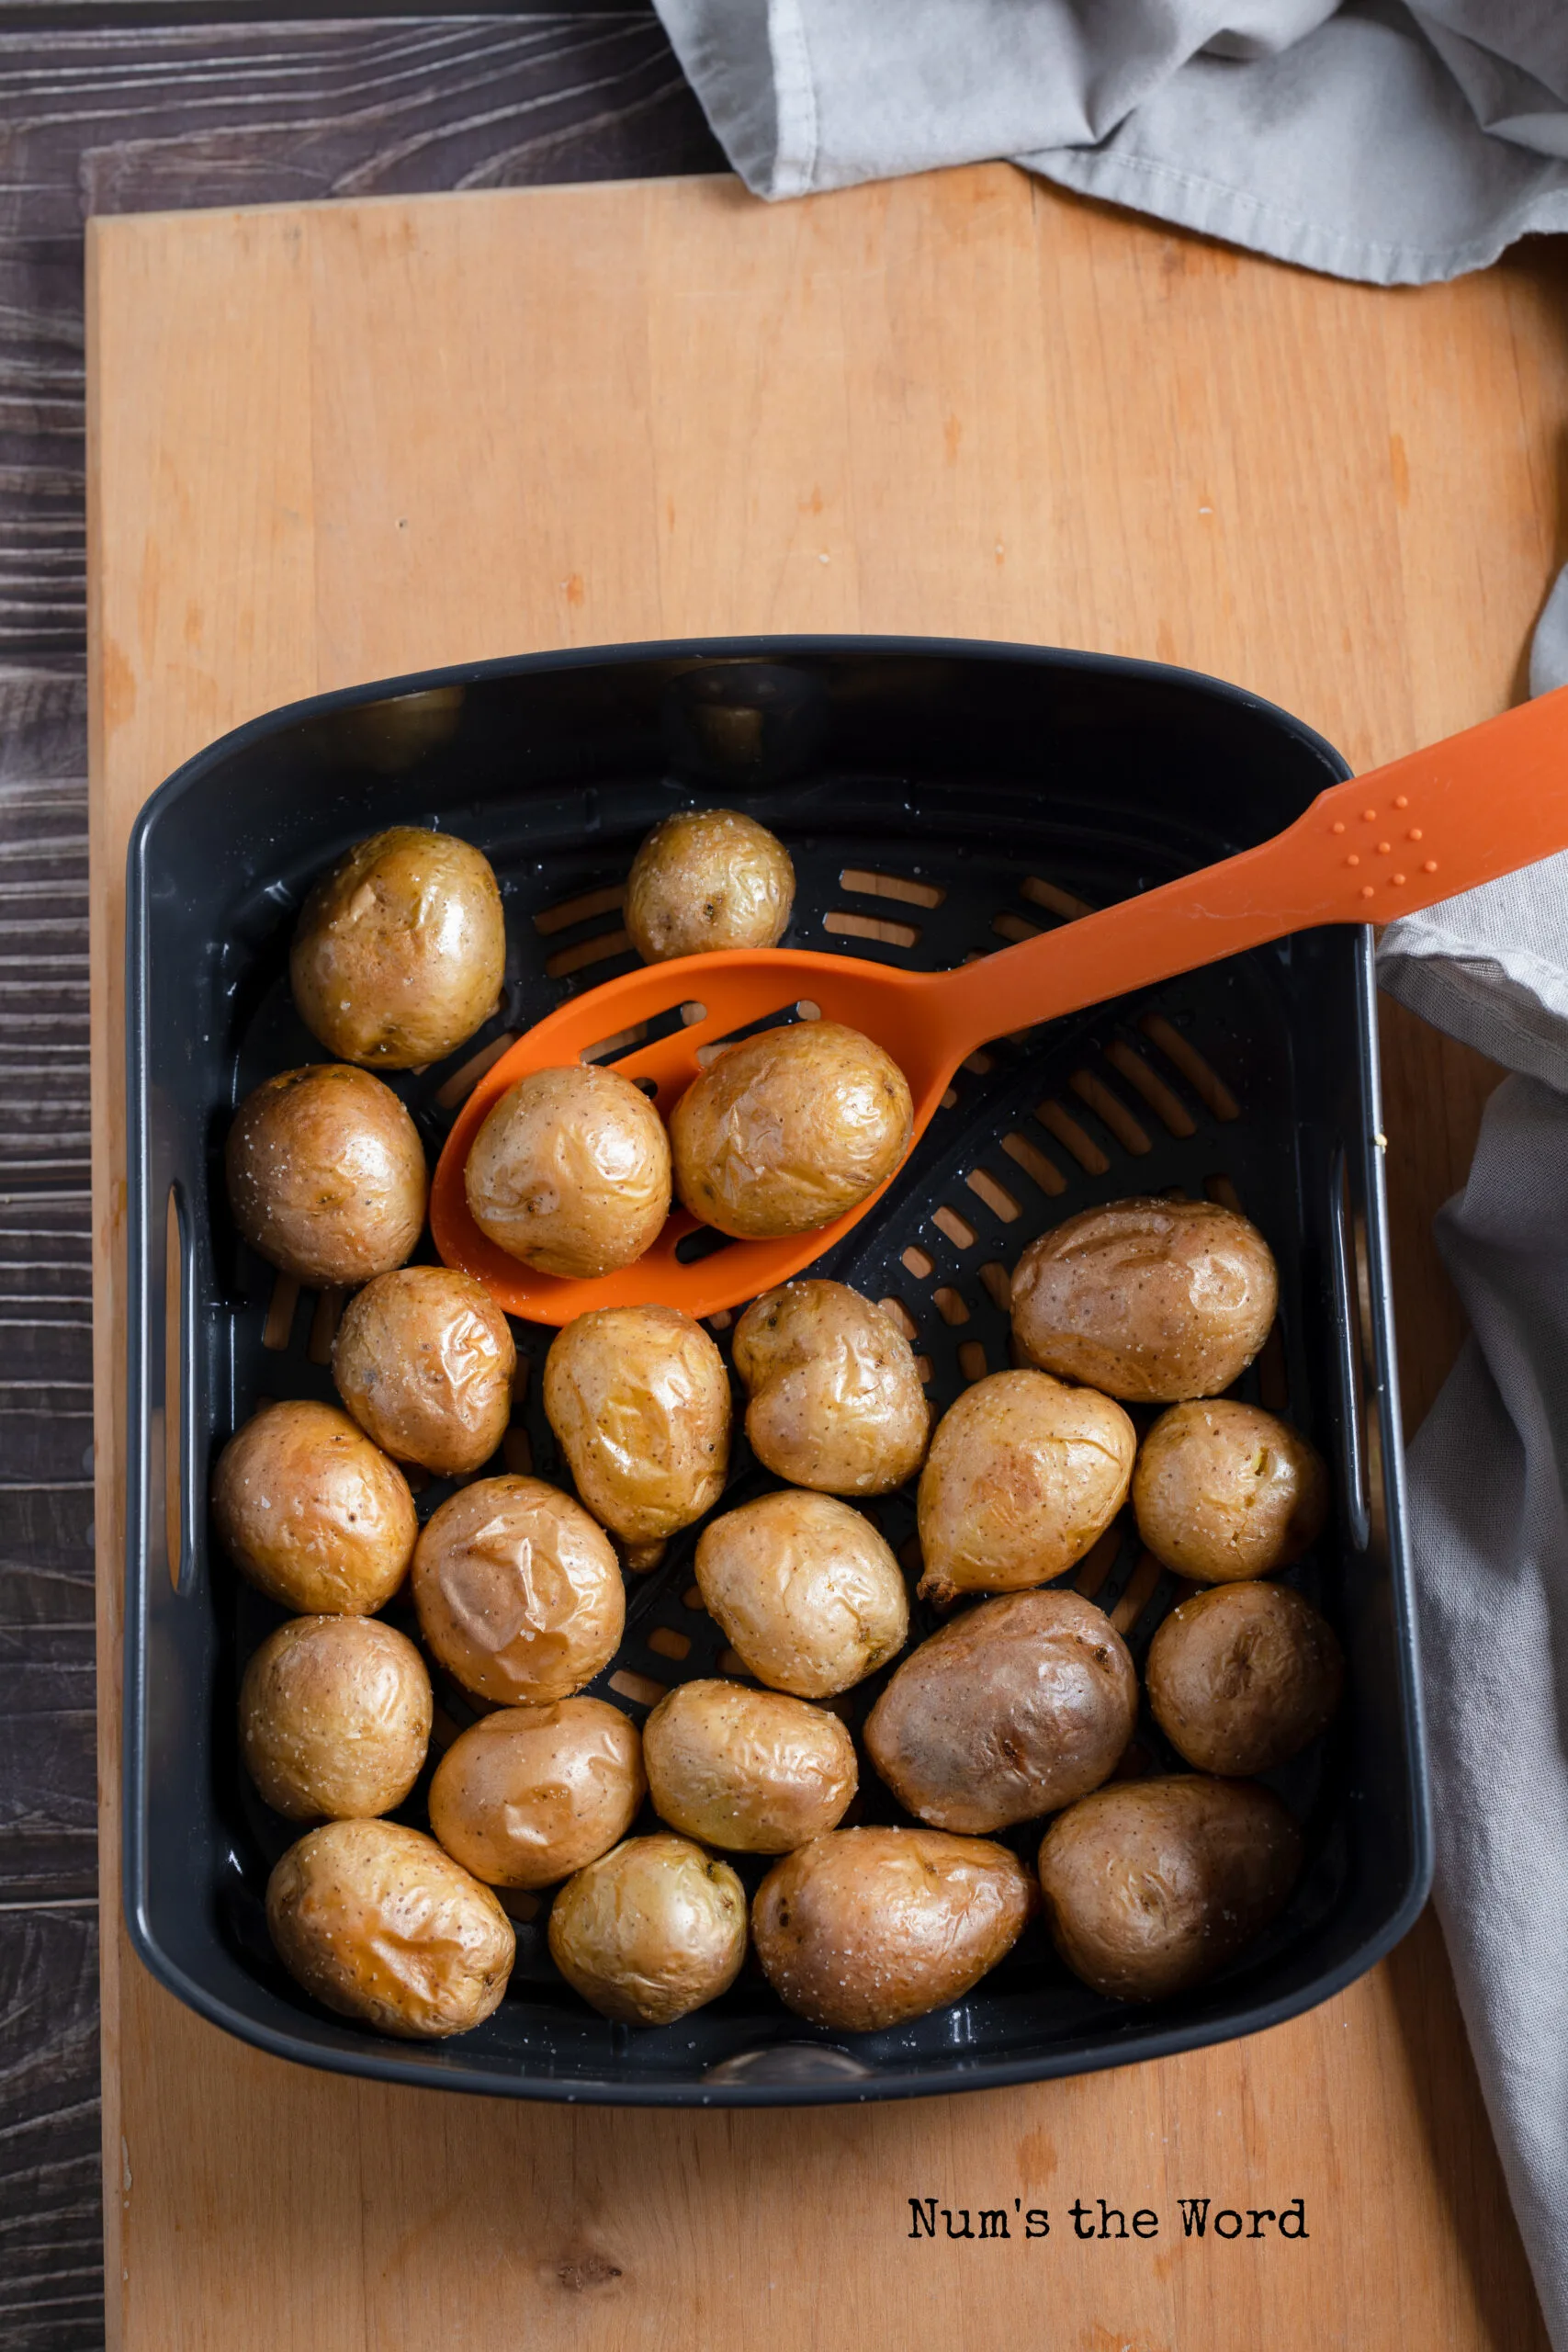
point(332, 443)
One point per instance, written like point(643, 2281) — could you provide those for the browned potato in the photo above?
point(788, 1129)
point(335, 1718)
point(836, 1401)
point(1023, 1475)
point(1150, 1300)
point(519, 1594)
point(1152, 1885)
point(399, 952)
point(1016, 1708)
point(651, 1932)
point(1242, 1677)
point(865, 1929)
point(376, 1922)
point(314, 1512)
point(424, 1359)
point(570, 1172)
point(708, 878)
point(809, 1596)
point(326, 1175)
point(747, 1770)
point(529, 1794)
point(1225, 1490)
point(638, 1399)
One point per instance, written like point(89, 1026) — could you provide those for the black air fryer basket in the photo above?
point(939, 799)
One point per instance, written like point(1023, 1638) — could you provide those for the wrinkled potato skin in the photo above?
point(837, 1403)
point(424, 1359)
point(809, 1596)
point(570, 1172)
point(529, 1794)
point(1152, 1885)
point(865, 1929)
point(1015, 1709)
point(313, 1512)
point(1223, 1490)
point(704, 879)
point(1242, 1677)
point(1023, 1475)
point(1152, 1301)
point(638, 1399)
point(788, 1129)
point(751, 1771)
point(519, 1594)
point(399, 952)
point(326, 1175)
point(376, 1922)
point(335, 1718)
point(654, 1931)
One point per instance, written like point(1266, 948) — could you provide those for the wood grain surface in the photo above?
point(330, 443)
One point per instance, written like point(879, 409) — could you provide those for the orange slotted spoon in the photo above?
point(1441, 821)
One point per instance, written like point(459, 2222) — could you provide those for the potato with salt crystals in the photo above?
point(638, 1399)
point(809, 1596)
point(786, 1130)
point(866, 1929)
point(1242, 1677)
point(519, 1593)
point(1223, 1490)
point(326, 1175)
point(837, 1403)
point(313, 1512)
point(335, 1718)
point(569, 1172)
point(1023, 1475)
point(751, 1771)
point(529, 1794)
point(654, 1931)
point(704, 879)
point(424, 1359)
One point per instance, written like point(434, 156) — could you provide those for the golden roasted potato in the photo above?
point(424, 1359)
point(399, 952)
point(1015, 1709)
point(638, 1399)
point(786, 1130)
point(326, 1175)
point(1149, 1300)
point(654, 1931)
point(865, 1929)
point(570, 1172)
point(313, 1512)
point(1023, 1475)
point(1223, 1490)
point(708, 878)
point(519, 1593)
point(1242, 1677)
point(376, 1922)
point(529, 1794)
point(1152, 1885)
point(809, 1596)
point(836, 1401)
point(335, 1718)
point(751, 1771)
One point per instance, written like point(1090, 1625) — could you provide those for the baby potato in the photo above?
point(326, 1175)
point(335, 1718)
point(399, 952)
point(1015, 1709)
point(519, 1593)
point(376, 1922)
point(570, 1172)
point(529, 1794)
point(1023, 1475)
point(788, 1129)
point(707, 878)
point(1242, 1677)
point(1152, 1885)
point(809, 1596)
point(1149, 1300)
point(836, 1401)
point(651, 1932)
point(313, 1512)
point(424, 1359)
point(1223, 1490)
point(865, 1929)
point(752, 1771)
point(638, 1399)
